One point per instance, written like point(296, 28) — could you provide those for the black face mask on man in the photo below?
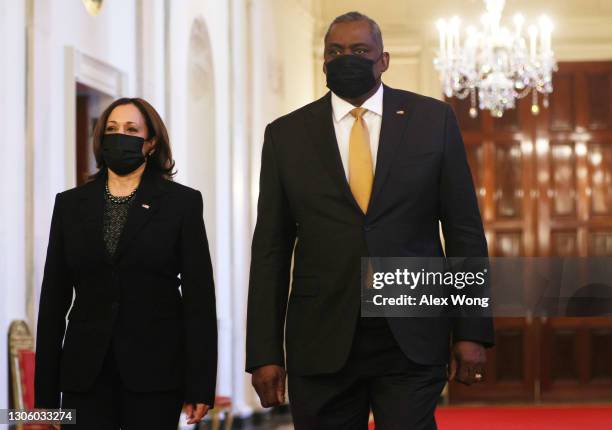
point(350, 76)
point(122, 153)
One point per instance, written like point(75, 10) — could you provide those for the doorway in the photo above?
point(90, 103)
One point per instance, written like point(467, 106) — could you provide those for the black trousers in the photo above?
point(111, 406)
point(377, 376)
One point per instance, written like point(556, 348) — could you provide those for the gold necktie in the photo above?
point(361, 172)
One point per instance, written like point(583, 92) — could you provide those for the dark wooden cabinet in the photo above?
point(544, 186)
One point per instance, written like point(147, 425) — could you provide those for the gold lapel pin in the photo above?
point(145, 206)
point(400, 112)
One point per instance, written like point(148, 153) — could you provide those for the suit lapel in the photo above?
point(91, 210)
point(396, 115)
point(145, 204)
point(91, 214)
point(321, 127)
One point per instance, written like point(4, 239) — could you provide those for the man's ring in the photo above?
point(478, 376)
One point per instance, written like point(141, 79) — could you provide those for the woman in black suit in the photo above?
point(135, 348)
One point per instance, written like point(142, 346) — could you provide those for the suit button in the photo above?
point(115, 306)
point(368, 227)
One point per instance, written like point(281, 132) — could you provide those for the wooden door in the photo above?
point(544, 186)
point(503, 169)
point(575, 218)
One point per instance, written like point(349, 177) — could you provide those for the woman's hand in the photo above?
point(194, 415)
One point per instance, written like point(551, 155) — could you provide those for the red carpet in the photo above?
point(525, 418)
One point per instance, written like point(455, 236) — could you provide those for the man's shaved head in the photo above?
point(357, 16)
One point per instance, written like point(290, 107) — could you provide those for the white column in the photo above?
point(262, 99)
point(13, 289)
point(241, 225)
point(151, 49)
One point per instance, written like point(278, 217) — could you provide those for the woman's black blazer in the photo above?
point(163, 338)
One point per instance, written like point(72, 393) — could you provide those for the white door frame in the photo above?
point(87, 70)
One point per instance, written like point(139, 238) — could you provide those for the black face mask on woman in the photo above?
point(350, 76)
point(122, 153)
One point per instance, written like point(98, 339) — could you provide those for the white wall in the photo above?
point(35, 157)
point(281, 80)
point(109, 37)
point(256, 76)
point(12, 175)
point(200, 135)
point(282, 68)
point(259, 66)
point(250, 72)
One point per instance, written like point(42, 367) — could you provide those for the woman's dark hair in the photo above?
point(160, 160)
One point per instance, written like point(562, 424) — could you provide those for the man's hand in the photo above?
point(269, 382)
point(194, 415)
point(467, 362)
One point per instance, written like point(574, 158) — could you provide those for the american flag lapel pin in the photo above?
point(146, 206)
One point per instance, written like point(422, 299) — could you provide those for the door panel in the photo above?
point(544, 186)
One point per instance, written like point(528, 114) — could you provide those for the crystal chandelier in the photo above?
point(495, 63)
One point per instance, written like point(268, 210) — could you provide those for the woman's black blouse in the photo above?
point(115, 216)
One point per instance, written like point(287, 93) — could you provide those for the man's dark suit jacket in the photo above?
point(163, 339)
point(421, 176)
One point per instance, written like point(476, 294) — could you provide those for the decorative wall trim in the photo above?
point(583, 51)
point(87, 70)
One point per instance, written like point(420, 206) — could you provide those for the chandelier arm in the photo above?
point(524, 93)
point(462, 95)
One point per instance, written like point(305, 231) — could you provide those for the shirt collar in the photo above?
point(341, 107)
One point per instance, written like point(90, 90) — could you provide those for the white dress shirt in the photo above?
point(343, 122)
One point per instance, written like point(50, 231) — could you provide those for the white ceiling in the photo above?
point(400, 16)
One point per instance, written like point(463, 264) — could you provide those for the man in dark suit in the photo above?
point(366, 170)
